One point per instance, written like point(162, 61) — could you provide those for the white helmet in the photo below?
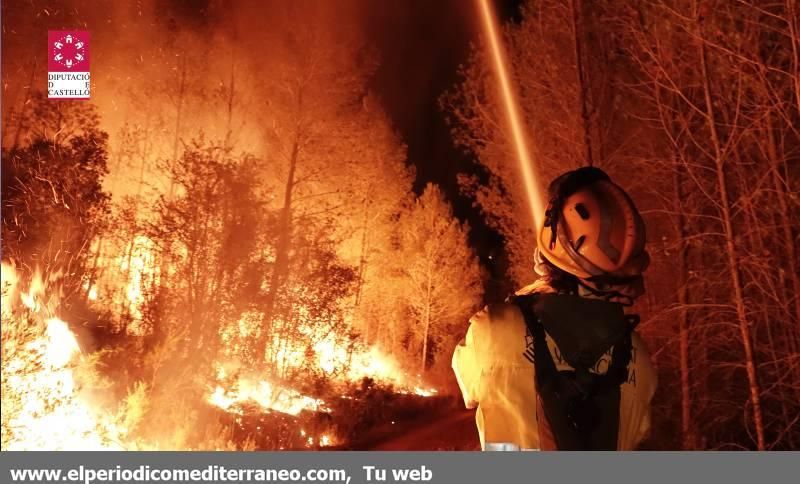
point(592, 228)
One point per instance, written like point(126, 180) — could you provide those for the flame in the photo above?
point(42, 406)
point(61, 343)
point(268, 396)
point(142, 269)
point(332, 359)
point(425, 392)
point(358, 363)
point(125, 277)
point(45, 405)
point(32, 298)
point(341, 363)
point(340, 360)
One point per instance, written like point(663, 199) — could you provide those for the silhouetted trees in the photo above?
point(692, 107)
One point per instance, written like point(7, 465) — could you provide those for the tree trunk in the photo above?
point(785, 217)
point(577, 28)
point(369, 335)
point(179, 110)
point(758, 247)
point(18, 134)
point(687, 433)
point(362, 259)
point(282, 248)
point(231, 94)
point(426, 321)
point(730, 247)
point(794, 38)
point(782, 215)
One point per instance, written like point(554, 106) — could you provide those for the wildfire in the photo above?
point(142, 269)
point(268, 396)
point(126, 275)
point(332, 360)
point(45, 405)
point(339, 361)
point(42, 406)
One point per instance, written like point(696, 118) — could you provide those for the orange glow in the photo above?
point(529, 177)
point(268, 396)
point(142, 269)
point(339, 360)
point(126, 273)
point(332, 359)
point(42, 403)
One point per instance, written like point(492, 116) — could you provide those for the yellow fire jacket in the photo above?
point(496, 377)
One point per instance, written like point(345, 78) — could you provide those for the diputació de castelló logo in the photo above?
point(68, 64)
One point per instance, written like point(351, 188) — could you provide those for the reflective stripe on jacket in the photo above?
point(495, 376)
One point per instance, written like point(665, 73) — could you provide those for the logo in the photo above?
point(69, 51)
point(68, 64)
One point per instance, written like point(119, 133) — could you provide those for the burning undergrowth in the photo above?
point(47, 380)
point(57, 394)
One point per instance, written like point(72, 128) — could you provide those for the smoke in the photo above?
point(165, 72)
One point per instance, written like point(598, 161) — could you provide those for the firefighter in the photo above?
point(559, 366)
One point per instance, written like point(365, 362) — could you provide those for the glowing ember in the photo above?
point(324, 440)
point(425, 392)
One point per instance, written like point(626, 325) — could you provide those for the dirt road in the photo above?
point(454, 430)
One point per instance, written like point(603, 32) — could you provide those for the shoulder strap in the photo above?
point(543, 363)
point(617, 373)
point(581, 408)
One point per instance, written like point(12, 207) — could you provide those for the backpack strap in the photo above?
point(543, 363)
point(581, 407)
point(617, 372)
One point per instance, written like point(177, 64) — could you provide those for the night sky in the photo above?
point(422, 43)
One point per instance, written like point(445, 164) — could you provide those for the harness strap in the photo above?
point(543, 363)
point(582, 408)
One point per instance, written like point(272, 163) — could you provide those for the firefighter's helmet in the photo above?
point(592, 228)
